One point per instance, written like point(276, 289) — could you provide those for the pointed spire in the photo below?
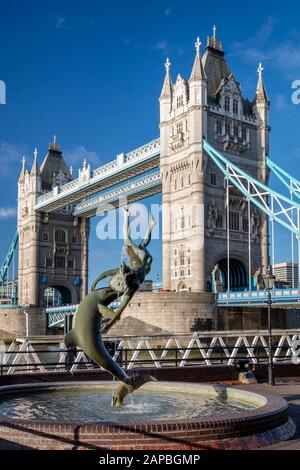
point(23, 170)
point(197, 70)
point(35, 170)
point(215, 34)
point(54, 145)
point(261, 94)
point(213, 41)
point(166, 91)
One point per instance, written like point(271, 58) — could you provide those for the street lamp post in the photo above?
point(269, 280)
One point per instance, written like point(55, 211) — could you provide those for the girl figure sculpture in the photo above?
point(94, 317)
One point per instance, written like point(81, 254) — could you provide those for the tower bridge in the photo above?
point(211, 165)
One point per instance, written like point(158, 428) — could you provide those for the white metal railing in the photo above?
point(201, 348)
point(144, 150)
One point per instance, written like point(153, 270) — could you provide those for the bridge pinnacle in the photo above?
point(167, 65)
point(198, 44)
point(197, 70)
point(166, 91)
point(23, 170)
point(35, 170)
point(261, 94)
point(260, 70)
point(213, 41)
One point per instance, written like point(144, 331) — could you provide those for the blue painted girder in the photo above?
point(276, 206)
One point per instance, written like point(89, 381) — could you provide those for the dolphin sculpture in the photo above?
point(94, 317)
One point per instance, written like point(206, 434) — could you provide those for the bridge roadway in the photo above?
point(89, 182)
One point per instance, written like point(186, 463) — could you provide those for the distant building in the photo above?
point(147, 286)
point(284, 274)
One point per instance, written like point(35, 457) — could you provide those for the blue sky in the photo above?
point(91, 73)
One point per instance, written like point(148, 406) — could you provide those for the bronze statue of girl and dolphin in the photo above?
point(94, 317)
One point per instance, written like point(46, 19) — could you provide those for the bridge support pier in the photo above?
point(13, 320)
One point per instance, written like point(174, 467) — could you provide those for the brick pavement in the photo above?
point(290, 392)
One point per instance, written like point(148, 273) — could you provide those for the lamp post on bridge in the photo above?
point(269, 281)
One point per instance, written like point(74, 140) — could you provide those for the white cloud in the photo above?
point(10, 159)
point(76, 156)
point(162, 46)
point(165, 48)
point(61, 23)
point(254, 46)
point(282, 55)
point(167, 11)
point(8, 212)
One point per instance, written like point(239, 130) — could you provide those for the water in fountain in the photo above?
point(93, 404)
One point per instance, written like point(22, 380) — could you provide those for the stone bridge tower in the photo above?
point(53, 248)
point(210, 104)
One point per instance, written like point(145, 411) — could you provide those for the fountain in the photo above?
point(159, 415)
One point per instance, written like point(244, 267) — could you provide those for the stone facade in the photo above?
point(180, 312)
point(13, 320)
point(210, 105)
point(53, 248)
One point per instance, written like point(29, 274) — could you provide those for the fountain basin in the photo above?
point(161, 415)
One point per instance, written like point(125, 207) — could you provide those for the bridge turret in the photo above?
point(182, 126)
point(35, 175)
point(261, 107)
point(54, 170)
point(23, 171)
point(210, 104)
point(198, 80)
point(53, 248)
point(261, 110)
point(28, 227)
point(165, 98)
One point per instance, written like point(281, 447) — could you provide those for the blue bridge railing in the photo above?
point(259, 297)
